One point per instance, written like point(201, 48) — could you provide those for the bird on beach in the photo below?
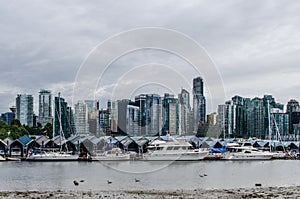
point(81, 181)
point(75, 183)
point(137, 180)
point(205, 175)
point(201, 176)
point(109, 182)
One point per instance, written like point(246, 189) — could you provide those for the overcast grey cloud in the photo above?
point(253, 43)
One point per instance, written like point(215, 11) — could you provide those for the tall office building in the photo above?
point(104, 122)
point(63, 118)
point(185, 109)
point(222, 118)
point(132, 120)
point(112, 109)
point(153, 114)
point(141, 102)
point(122, 115)
point(90, 104)
point(256, 114)
point(94, 122)
point(240, 116)
point(170, 115)
point(45, 107)
point(81, 118)
point(293, 110)
point(24, 105)
point(199, 102)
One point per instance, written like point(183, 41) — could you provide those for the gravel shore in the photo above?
point(265, 192)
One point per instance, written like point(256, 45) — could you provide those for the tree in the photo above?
point(23, 131)
point(3, 125)
point(17, 132)
point(15, 122)
point(14, 132)
point(48, 130)
point(3, 133)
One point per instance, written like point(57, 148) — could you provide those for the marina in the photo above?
point(160, 148)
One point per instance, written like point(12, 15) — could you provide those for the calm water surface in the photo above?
point(152, 175)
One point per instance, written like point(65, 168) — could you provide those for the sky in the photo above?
point(254, 45)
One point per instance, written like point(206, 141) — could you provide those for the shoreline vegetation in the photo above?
point(236, 193)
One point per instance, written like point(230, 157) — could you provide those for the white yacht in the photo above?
point(172, 150)
point(246, 153)
point(115, 154)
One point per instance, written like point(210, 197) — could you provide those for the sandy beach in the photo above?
point(261, 192)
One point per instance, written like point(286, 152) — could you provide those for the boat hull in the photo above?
point(115, 158)
point(52, 157)
point(238, 156)
point(192, 156)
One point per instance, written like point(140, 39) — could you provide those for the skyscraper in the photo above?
point(132, 120)
point(185, 108)
point(81, 118)
point(63, 117)
point(199, 102)
point(170, 115)
point(104, 122)
point(140, 101)
point(24, 105)
point(293, 110)
point(222, 118)
point(256, 114)
point(122, 115)
point(45, 107)
point(240, 116)
point(112, 109)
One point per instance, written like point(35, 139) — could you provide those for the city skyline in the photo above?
point(36, 102)
point(265, 49)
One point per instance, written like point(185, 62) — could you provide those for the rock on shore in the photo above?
point(265, 192)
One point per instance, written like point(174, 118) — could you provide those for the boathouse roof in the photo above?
point(8, 140)
point(41, 138)
point(25, 139)
point(3, 143)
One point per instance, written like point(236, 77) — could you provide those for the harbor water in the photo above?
point(45, 176)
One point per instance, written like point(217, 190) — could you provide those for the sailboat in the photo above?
point(42, 155)
point(276, 154)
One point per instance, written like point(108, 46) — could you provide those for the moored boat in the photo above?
point(174, 150)
point(115, 154)
point(246, 153)
point(51, 156)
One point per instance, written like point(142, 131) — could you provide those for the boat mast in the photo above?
point(269, 122)
point(59, 115)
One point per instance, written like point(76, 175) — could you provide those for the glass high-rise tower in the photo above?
point(45, 107)
point(24, 105)
point(199, 102)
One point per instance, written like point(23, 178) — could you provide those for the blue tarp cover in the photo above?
point(217, 150)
